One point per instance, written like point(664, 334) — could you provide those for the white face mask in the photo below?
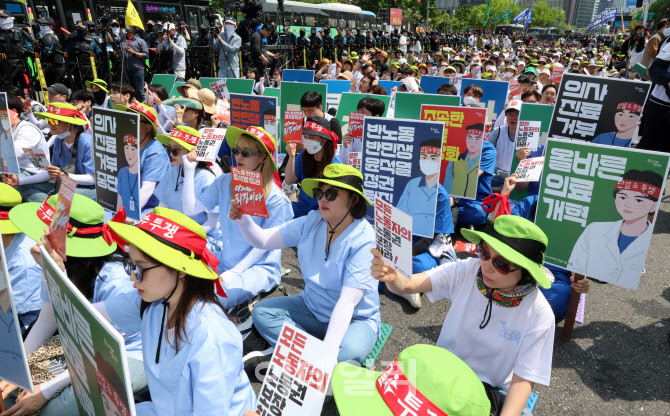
point(45, 30)
point(6, 23)
point(666, 32)
point(230, 29)
point(116, 30)
point(469, 100)
point(311, 146)
point(429, 167)
point(65, 135)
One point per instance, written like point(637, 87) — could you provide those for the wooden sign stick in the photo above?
point(569, 322)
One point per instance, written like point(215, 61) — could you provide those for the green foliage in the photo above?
point(544, 15)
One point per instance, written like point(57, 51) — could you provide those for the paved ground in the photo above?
point(617, 363)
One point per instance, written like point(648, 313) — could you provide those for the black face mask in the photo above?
point(82, 32)
point(99, 97)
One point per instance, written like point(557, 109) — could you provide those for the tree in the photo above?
point(544, 15)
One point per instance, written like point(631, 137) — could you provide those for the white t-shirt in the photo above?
point(403, 48)
point(28, 135)
point(518, 340)
point(504, 149)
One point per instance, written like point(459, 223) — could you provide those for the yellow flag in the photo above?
point(132, 18)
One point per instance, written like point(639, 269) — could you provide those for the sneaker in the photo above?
point(241, 317)
point(256, 364)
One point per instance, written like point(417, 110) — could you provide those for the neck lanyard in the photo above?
point(132, 188)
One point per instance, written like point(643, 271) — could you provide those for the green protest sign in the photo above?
point(598, 206)
point(349, 103)
point(408, 105)
point(94, 351)
point(165, 80)
point(290, 95)
point(271, 92)
point(234, 85)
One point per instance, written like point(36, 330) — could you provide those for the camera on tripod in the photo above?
point(104, 11)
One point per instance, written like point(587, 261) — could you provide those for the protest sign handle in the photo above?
point(569, 322)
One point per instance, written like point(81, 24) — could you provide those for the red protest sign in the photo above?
point(293, 126)
point(61, 217)
point(514, 87)
point(356, 125)
point(557, 74)
point(248, 191)
point(396, 17)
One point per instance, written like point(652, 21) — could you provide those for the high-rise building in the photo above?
point(584, 12)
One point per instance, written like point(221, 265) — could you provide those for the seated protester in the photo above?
point(97, 267)
point(496, 309)
point(472, 95)
point(372, 107)
point(320, 145)
point(192, 360)
point(123, 94)
point(26, 135)
point(211, 117)
point(154, 163)
point(99, 89)
point(84, 100)
point(58, 93)
point(171, 186)
point(166, 114)
point(72, 152)
point(312, 105)
point(447, 89)
point(340, 303)
point(189, 112)
point(23, 272)
point(244, 271)
point(502, 138)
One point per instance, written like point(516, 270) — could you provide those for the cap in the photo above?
point(513, 105)
point(58, 88)
point(46, 21)
point(5, 14)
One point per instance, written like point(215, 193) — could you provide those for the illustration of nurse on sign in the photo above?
point(129, 179)
point(420, 194)
point(462, 175)
point(615, 251)
point(625, 119)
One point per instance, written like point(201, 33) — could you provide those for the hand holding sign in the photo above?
point(393, 229)
point(61, 217)
point(248, 191)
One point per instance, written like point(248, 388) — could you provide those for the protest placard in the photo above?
point(355, 160)
point(530, 170)
point(248, 191)
point(356, 125)
point(494, 98)
point(220, 89)
point(254, 111)
point(14, 368)
point(117, 179)
point(597, 109)
point(557, 74)
point(461, 146)
point(476, 72)
point(393, 234)
point(298, 375)
point(8, 161)
point(408, 105)
point(335, 90)
point(332, 71)
point(411, 84)
point(515, 89)
point(349, 104)
point(61, 216)
point(401, 164)
point(433, 71)
point(430, 84)
point(293, 126)
point(527, 134)
point(37, 157)
point(455, 80)
point(598, 206)
point(209, 144)
point(292, 92)
point(297, 75)
point(95, 352)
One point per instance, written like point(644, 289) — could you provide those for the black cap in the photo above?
point(5, 14)
point(181, 23)
point(203, 27)
point(525, 79)
point(46, 21)
point(339, 28)
point(57, 89)
point(88, 23)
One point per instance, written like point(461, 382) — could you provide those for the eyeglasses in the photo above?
point(501, 266)
point(174, 151)
point(330, 193)
point(53, 121)
point(131, 268)
point(246, 153)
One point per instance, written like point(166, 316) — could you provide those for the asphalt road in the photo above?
point(617, 363)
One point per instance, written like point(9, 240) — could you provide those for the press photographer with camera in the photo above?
point(253, 17)
point(228, 44)
point(173, 39)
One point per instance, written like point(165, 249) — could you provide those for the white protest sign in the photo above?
point(530, 170)
point(355, 160)
point(432, 71)
point(37, 157)
point(298, 375)
point(411, 84)
point(332, 71)
point(528, 134)
point(220, 89)
point(393, 230)
point(209, 144)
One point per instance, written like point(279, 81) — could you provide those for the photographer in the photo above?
point(175, 41)
point(260, 57)
point(228, 45)
point(134, 53)
point(253, 17)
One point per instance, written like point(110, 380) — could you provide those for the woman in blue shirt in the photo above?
point(340, 303)
point(320, 145)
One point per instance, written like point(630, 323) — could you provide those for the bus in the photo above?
point(307, 15)
point(508, 29)
point(543, 32)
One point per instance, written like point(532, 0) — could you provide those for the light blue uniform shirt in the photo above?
point(24, 274)
point(154, 162)
point(305, 203)
point(206, 376)
point(62, 156)
point(235, 247)
point(348, 264)
point(420, 202)
point(169, 190)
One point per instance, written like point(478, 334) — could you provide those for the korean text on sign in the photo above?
point(393, 231)
point(248, 191)
point(208, 144)
point(104, 128)
point(356, 125)
point(245, 113)
point(528, 134)
point(530, 170)
point(293, 126)
point(579, 109)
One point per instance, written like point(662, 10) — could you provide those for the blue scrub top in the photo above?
point(305, 203)
point(13, 367)
point(611, 140)
point(128, 185)
point(169, 190)
point(206, 376)
point(62, 156)
point(154, 162)
point(348, 264)
point(24, 273)
point(235, 248)
point(487, 164)
point(420, 203)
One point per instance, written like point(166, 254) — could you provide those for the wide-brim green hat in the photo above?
point(144, 110)
point(97, 83)
point(191, 103)
point(187, 137)
point(258, 133)
point(168, 252)
point(517, 240)
point(441, 377)
point(9, 198)
point(63, 112)
point(338, 175)
point(84, 213)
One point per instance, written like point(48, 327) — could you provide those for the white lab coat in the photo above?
point(596, 254)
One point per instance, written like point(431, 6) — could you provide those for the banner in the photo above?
point(401, 164)
point(298, 375)
point(408, 105)
point(393, 234)
point(292, 92)
point(598, 206)
point(14, 368)
point(297, 75)
point(349, 104)
point(248, 191)
point(117, 179)
point(461, 146)
point(597, 109)
point(530, 170)
point(209, 144)
point(254, 110)
point(61, 216)
point(495, 95)
point(8, 161)
point(429, 84)
point(525, 16)
point(396, 17)
point(94, 351)
point(602, 19)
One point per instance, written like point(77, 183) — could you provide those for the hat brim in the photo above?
point(510, 254)
point(8, 227)
point(309, 184)
point(160, 252)
point(366, 395)
point(25, 217)
point(209, 109)
point(233, 133)
point(72, 120)
point(164, 139)
point(90, 84)
point(122, 107)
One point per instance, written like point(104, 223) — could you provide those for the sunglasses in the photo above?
point(53, 121)
point(246, 153)
point(174, 151)
point(131, 268)
point(330, 193)
point(501, 266)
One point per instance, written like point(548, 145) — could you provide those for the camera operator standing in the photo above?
point(134, 53)
point(261, 58)
point(175, 41)
point(253, 17)
point(228, 44)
